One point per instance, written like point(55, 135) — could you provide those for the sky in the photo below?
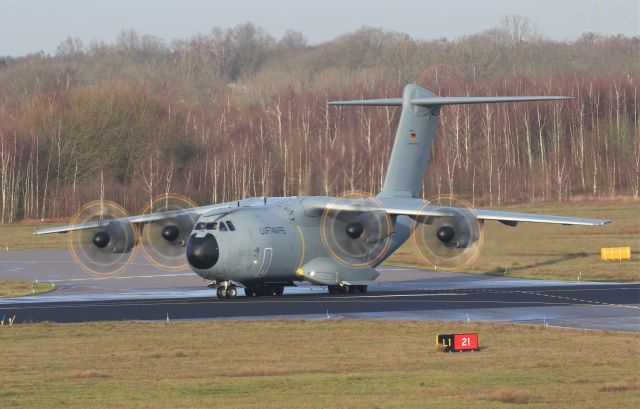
point(28, 26)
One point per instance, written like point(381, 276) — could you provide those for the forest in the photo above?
point(235, 113)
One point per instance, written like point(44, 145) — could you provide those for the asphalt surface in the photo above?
point(145, 293)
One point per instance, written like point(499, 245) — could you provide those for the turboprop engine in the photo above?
point(449, 242)
point(107, 248)
point(461, 230)
point(115, 237)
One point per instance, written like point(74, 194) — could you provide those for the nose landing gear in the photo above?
point(227, 290)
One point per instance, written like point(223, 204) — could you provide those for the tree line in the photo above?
point(236, 113)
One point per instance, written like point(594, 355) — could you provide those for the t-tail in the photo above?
point(416, 130)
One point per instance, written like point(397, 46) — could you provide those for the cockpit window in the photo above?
point(231, 226)
point(199, 226)
point(223, 227)
point(212, 226)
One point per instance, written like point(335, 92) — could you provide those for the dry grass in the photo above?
point(632, 385)
point(540, 251)
point(19, 236)
point(92, 373)
point(515, 396)
point(16, 288)
point(313, 364)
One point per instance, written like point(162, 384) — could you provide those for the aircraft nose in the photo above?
point(202, 252)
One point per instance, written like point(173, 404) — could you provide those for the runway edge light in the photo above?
point(457, 342)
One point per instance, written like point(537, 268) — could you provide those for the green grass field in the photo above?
point(558, 252)
point(19, 236)
point(313, 364)
point(15, 288)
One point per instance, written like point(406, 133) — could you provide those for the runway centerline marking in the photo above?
point(587, 302)
point(397, 295)
point(118, 278)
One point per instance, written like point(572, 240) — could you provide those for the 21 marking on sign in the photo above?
point(457, 342)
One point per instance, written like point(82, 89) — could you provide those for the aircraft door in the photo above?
point(266, 262)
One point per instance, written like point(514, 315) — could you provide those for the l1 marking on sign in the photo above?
point(457, 342)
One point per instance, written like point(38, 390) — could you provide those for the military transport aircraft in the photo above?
point(265, 244)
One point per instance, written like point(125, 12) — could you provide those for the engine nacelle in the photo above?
point(176, 230)
point(460, 230)
point(116, 237)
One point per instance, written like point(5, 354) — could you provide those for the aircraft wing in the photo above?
point(537, 218)
point(416, 207)
point(143, 218)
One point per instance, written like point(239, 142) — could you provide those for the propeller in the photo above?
point(355, 238)
point(105, 250)
point(163, 241)
point(448, 243)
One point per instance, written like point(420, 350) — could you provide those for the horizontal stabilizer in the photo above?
point(439, 101)
point(370, 102)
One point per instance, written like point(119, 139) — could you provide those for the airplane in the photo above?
point(264, 244)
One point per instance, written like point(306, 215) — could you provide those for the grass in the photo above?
point(313, 364)
point(556, 252)
point(19, 236)
point(16, 288)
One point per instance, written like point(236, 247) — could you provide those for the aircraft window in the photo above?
point(200, 226)
point(212, 225)
point(231, 226)
point(223, 227)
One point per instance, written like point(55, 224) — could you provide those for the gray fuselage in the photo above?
point(269, 241)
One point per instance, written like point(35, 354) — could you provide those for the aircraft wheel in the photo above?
point(259, 291)
point(333, 289)
point(279, 290)
point(232, 291)
point(269, 290)
point(344, 289)
point(221, 292)
point(249, 292)
point(354, 289)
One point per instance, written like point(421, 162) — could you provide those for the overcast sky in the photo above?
point(30, 25)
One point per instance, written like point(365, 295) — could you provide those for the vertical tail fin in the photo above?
point(416, 130)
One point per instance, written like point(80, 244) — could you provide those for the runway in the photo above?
point(145, 293)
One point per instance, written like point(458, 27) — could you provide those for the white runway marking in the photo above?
point(119, 278)
point(589, 302)
point(398, 295)
point(64, 262)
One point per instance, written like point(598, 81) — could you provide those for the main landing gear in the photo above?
point(264, 290)
point(227, 290)
point(347, 289)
